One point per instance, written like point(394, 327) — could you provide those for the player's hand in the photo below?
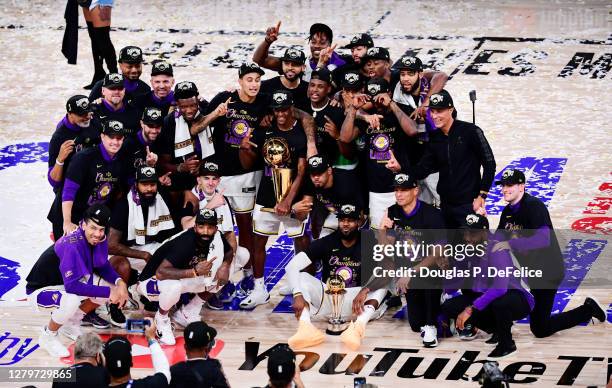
point(151, 159)
point(478, 203)
point(419, 113)
point(359, 100)
point(246, 143)
point(150, 330)
point(402, 285)
point(191, 165)
point(373, 120)
point(217, 200)
point(393, 164)
point(331, 128)
point(221, 110)
point(272, 32)
point(119, 293)
point(203, 267)
point(223, 273)
point(146, 256)
point(302, 208)
point(165, 180)
point(325, 55)
point(384, 99)
point(463, 317)
point(65, 150)
point(333, 102)
point(69, 227)
point(360, 300)
point(501, 246)
point(283, 208)
point(298, 305)
point(386, 222)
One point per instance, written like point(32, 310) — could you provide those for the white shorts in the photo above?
point(241, 190)
point(268, 224)
point(139, 264)
point(313, 291)
point(427, 190)
point(379, 202)
point(171, 290)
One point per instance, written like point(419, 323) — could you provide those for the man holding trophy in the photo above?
point(339, 292)
point(282, 148)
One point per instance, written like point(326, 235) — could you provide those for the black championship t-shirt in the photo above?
point(86, 375)
point(204, 373)
point(337, 259)
point(326, 144)
point(183, 251)
point(128, 115)
point(300, 97)
point(523, 221)
point(346, 188)
point(235, 125)
point(158, 380)
point(294, 140)
point(134, 154)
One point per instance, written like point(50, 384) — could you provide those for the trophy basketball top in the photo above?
point(276, 152)
point(335, 284)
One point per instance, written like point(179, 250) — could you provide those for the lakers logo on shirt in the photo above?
point(379, 149)
point(238, 130)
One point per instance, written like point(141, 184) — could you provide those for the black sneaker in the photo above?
point(149, 305)
point(468, 333)
point(502, 351)
point(214, 303)
point(116, 316)
point(93, 319)
point(493, 340)
point(597, 311)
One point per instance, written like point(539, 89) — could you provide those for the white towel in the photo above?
point(403, 98)
point(183, 144)
point(159, 218)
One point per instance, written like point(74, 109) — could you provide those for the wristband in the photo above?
point(58, 162)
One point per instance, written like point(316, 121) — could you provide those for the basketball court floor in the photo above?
point(541, 72)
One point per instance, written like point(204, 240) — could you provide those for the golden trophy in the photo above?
point(335, 290)
point(276, 154)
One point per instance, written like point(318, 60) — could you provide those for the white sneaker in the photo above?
point(429, 333)
point(70, 330)
point(184, 317)
point(164, 329)
point(51, 343)
point(255, 298)
point(285, 289)
point(380, 311)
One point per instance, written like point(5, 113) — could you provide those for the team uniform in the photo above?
point(299, 93)
point(134, 153)
point(326, 145)
point(239, 184)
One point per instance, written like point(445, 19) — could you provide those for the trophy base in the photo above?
point(336, 329)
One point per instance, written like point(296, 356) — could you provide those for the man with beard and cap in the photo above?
point(385, 144)
point(526, 230)
point(130, 66)
point(196, 261)
point(340, 255)
point(321, 52)
point(359, 46)
point(281, 146)
point(89, 280)
point(410, 220)
point(141, 150)
point(161, 95)
point(207, 194)
point(457, 150)
point(292, 63)
point(114, 106)
point(140, 222)
point(74, 133)
point(198, 370)
point(118, 357)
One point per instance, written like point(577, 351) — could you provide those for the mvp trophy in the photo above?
point(276, 154)
point(335, 291)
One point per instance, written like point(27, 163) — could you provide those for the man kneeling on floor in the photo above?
point(196, 261)
point(340, 254)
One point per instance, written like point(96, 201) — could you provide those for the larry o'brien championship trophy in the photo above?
point(335, 291)
point(276, 154)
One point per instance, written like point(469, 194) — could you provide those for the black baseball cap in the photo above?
point(404, 181)
point(294, 55)
point(130, 54)
point(409, 62)
point(377, 53)
point(199, 335)
point(281, 99)
point(511, 177)
point(441, 100)
point(161, 68)
point(324, 28)
point(206, 216)
point(118, 355)
point(185, 89)
point(377, 86)
point(323, 74)
point(113, 81)
point(98, 213)
point(361, 40)
point(146, 174)
point(351, 80)
point(250, 67)
point(281, 363)
point(349, 210)
point(78, 104)
point(475, 221)
point(318, 164)
point(152, 116)
point(209, 168)
point(113, 127)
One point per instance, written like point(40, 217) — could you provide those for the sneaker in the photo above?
point(306, 335)
point(285, 289)
point(51, 343)
point(184, 317)
point(255, 298)
point(214, 303)
point(597, 310)
point(380, 311)
point(246, 285)
point(93, 319)
point(353, 335)
point(117, 318)
point(148, 305)
point(468, 333)
point(71, 331)
point(227, 293)
point(493, 340)
point(502, 351)
point(429, 333)
point(164, 329)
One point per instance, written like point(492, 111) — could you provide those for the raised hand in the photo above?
point(331, 128)
point(151, 159)
point(272, 32)
point(393, 164)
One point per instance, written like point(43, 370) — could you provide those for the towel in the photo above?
point(159, 218)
